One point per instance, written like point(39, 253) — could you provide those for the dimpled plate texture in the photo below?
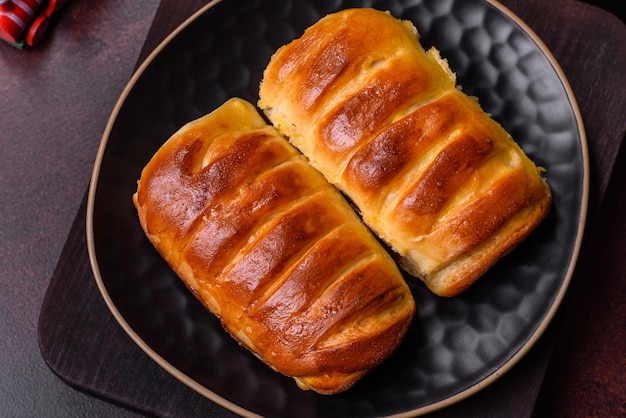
point(455, 345)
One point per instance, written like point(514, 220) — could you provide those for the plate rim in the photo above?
point(455, 398)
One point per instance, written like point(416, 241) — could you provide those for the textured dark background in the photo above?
point(617, 7)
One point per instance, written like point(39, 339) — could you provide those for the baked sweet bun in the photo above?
point(273, 250)
point(430, 172)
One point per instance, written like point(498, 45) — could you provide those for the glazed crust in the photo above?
point(272, 249)
point(442, 183)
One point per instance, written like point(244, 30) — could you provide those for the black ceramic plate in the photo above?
point(456, 346)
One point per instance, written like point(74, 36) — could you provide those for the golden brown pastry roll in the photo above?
point(271, 248)
point(430, 172)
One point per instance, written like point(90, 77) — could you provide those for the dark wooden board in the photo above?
point(84, 345)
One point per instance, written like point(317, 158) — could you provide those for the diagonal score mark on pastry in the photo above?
point(429, 171)
point(272, 249)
